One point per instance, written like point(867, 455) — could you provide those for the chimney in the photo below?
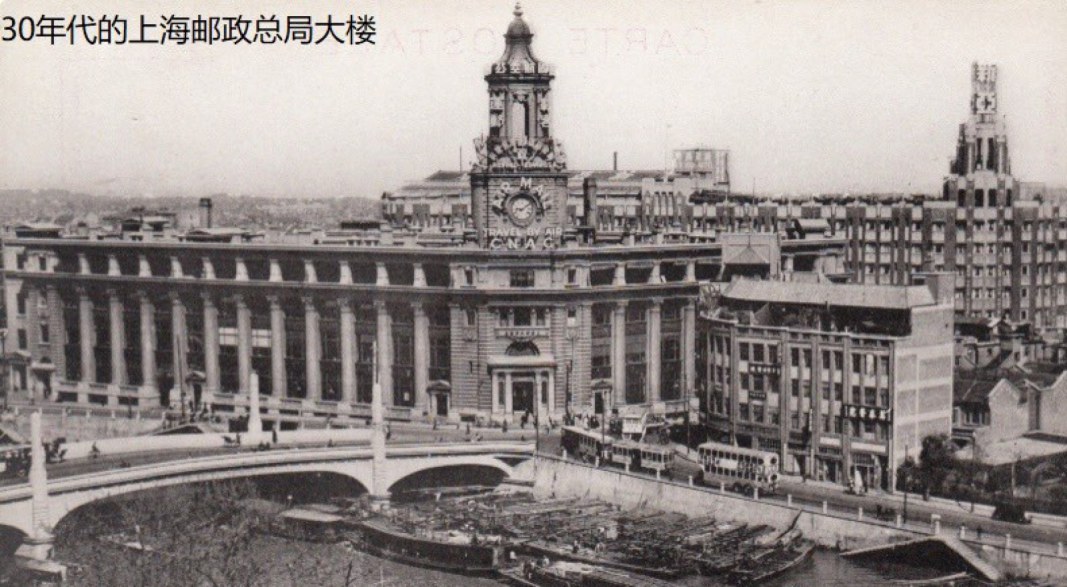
point(205, 212)
point(589, 202)
point(615, 161)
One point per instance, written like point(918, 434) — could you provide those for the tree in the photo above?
point(936, 461)
point(201, 535)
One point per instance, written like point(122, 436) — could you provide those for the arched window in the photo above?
point(522, 349)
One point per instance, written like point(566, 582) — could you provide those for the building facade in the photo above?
point(512, 306)
point(839, 379)
point(1005, 241)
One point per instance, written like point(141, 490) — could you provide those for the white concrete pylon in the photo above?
point(378, 473)
point(40, 538)
point(255, 422)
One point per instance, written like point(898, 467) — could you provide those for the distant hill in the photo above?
point(66, 207)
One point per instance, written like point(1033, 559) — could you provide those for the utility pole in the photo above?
point(906, 476)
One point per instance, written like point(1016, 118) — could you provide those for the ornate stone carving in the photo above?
point(519, 154)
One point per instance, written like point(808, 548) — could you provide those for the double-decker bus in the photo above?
point(586, 445)
point(741, 469)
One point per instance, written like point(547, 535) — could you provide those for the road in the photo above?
point(401, 434)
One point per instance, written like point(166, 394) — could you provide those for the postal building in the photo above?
point(519, 304)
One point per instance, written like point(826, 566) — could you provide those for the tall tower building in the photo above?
point(980, 175)
point(519, 180)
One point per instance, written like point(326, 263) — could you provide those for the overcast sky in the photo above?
point(809, 96)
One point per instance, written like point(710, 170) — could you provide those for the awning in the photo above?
point(521, 362)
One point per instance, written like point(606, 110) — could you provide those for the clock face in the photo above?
point(522, 209)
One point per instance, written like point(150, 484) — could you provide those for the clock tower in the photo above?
point(519, 180)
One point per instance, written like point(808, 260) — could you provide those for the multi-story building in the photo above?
point(512, 305)
point(836, 378)
point(1006, 243)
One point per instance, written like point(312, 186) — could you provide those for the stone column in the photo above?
point(690, 270)
point(689, 349)
point(148, 345)
point(143, 268)
point(384, 351)
point(83, 265)
point(309, 271)
point(275, 271)
point(509, 405)
point(57, 332)
point(348, 355)
point(244, 345)
point(241, 270)
point(176, 268)
point(211, 346)
point(33, 322)
point(346, 273)
point(422, 356)
point(382, 274)
point(312, 349)
point(419, 279)
point(86, 335)
point(278, 381)
point(620, 274)
point(118, 338)
point(655, 274)
point(618, 353)
point(654, 345)
point(208, 268)
point(181, 344)
point(113, 269)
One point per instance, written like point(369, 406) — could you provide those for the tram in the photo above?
point(741, 469)
point(586, 445)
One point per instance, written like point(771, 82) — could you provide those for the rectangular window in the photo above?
point(44, 333)
point(757, 353)
point(521, 316)
point(23, 343)
point(572, 276)
point(472, 317)
point(742, 351)
point(522, 278)
point(572, 317)
point(468, 275)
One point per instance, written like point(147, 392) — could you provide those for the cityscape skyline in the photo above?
point(887, 124)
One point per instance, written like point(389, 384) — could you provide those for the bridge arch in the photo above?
point(62, 504)
point(403, 470)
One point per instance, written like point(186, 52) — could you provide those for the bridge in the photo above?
point(357, 463)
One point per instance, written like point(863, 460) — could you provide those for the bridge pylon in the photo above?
point(379, 489)
point(38, 544)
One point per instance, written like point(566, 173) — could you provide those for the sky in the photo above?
point(809, 96)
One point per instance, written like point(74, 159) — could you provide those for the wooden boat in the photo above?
point(560, 552)
point(309, 525)
point(575, 574)
point(772, 565)
point(381, 538)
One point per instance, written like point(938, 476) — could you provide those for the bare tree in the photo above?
point(195, 535)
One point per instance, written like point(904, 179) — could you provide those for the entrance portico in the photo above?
point(522, 384)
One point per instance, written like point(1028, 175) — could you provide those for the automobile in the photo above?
point(1010, 512)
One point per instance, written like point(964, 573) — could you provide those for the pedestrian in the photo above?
point(504, 428)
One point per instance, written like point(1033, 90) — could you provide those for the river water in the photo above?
point(826, 569)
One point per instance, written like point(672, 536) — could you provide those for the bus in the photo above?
point(586, 445)
point(641, 455)
point(741, 469)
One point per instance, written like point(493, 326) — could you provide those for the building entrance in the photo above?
point(522, 397)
